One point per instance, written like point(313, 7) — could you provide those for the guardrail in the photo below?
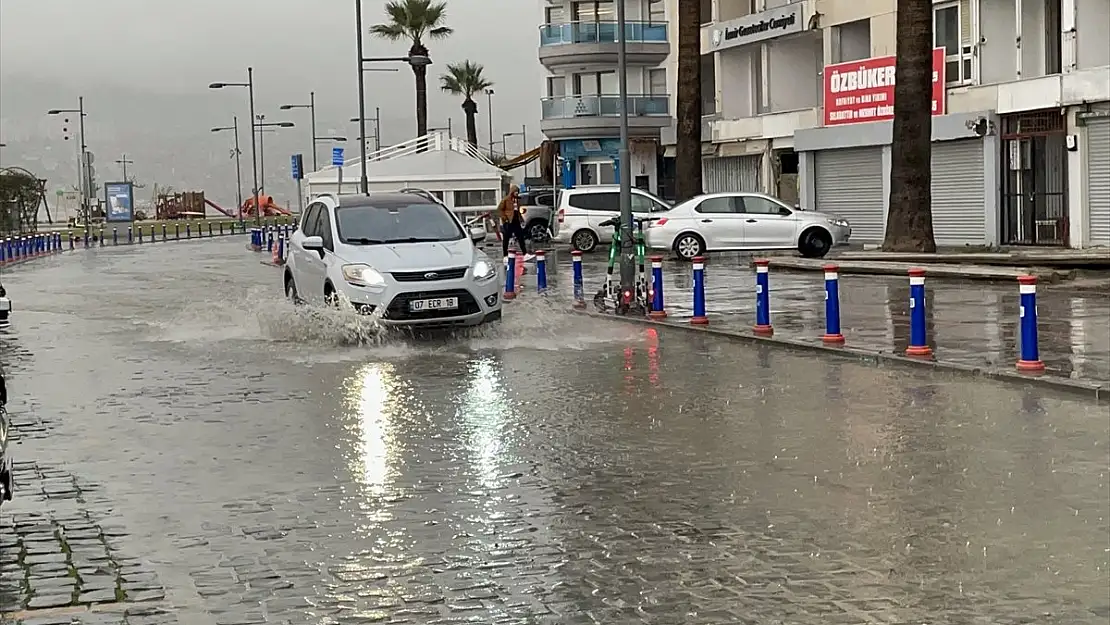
point(569, 107)
point(602, 32)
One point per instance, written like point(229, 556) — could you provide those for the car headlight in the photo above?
point(362, 275)
point(484, 270)
point(841, 223)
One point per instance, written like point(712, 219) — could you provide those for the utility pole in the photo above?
point(628, 270)
point(124, 162)
point(489, 115)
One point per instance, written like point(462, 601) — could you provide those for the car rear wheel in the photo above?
point(537, 231)
point(689, 246)
point(584, 241)
point(815, 243)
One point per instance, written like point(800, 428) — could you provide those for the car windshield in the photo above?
point(410, 223)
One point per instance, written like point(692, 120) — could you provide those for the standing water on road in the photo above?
point(192, 449)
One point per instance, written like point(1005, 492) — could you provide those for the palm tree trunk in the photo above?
point(688, 108)
point(909, 226)
point(470, 109)
point(421, 73)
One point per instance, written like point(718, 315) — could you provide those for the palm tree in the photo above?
point(688, 108)
point(466, 79)
point(413, 20)
point(909, 226)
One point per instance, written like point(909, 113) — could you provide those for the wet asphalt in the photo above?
point(191, 449)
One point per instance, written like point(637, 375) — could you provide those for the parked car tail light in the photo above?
point(561, 215)
point(662, 221)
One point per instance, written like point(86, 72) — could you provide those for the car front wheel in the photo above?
point(689, 246)
point(291, 290)
point(815, 243)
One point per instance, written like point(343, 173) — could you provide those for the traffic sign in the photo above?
point(296, 167)
point(337, 157)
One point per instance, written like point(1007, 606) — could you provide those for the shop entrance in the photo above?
point(1034, 179)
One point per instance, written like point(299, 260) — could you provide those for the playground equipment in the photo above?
point(183, 205)
point(269, 207)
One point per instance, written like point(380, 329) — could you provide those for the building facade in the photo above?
point(580, 105)
point(797, 99)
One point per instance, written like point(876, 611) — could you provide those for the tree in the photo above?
point(909, 225)
point(413, 20)
point(466, 79)
point(688, 108)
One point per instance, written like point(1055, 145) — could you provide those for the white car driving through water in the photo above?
point(739, 221)
point(402, 256)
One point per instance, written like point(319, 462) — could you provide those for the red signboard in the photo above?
point(863, 91)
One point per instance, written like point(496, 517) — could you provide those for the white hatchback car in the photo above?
point(718, 222)
point(401, 255)
point(582, 210)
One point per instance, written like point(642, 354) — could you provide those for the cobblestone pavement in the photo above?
point(192, 451)
point(970, 323)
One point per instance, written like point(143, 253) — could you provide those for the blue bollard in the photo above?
point(658, 310)
point(72, 241)
point(541, 271)
point(9, 249)
point(115, 237)
point(163, 233)
point(176, 232)
point(3, 253)
point(86, 239)
point(576, 267)
point(763, 298)
point(101, 237)
point(130, 235)
point(510, 276)
point(210, 229)
point(918, 339)
point(281, 250)
point(140, 234)
point(699, 318)
point(832, 335)
point(270, 241)
point(188, 231)
point(1030, 360)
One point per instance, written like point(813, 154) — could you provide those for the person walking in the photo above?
point(512, 223)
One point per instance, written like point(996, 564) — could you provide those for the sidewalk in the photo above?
point(974, 324)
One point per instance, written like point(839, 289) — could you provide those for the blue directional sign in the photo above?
point(337, 157)
point(296, 166)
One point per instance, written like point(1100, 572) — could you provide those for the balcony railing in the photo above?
point(569, 107)
point(601, 32)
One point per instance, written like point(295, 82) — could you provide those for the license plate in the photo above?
point(438, 303)
point(5, 304)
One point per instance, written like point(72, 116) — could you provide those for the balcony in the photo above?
point(588, 43)
point(598, 116)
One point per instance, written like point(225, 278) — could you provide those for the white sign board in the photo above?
point(777, 22)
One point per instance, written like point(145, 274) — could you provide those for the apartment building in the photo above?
point(797, 99)
point(581, 105)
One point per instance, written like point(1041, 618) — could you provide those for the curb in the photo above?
point(1090, 390)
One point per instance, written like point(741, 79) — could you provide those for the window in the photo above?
point(755, 205)
point(308, 220)
point(657, 12)
point(708, 85)
point(851, 41)
point(483, 197)
point(952, 31)
point(554, 15)
point(597, 173)
point(594, 11)
point(556, 86)
point(645, 204)
point(438, 194)
point(657, 81)
point(323, 225)
point(608, 201)
point(596, 83)
point(396, 223)
point(717, 205)
point(706, 11)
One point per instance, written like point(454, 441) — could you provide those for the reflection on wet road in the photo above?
point(209, 455)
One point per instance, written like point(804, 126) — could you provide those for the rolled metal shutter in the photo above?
point(959, 216)
point(1098, 181)
point(849, 183)
point(730, 173)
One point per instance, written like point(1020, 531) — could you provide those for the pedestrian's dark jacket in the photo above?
point(508, 210)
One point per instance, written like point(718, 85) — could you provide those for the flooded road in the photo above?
point(190, 449)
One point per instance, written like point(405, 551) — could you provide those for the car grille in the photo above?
point(399, 308)
point(430, 275)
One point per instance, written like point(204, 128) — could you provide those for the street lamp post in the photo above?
point(259, 126)
point(489, 115)
point(377, 119)
point(624, 166)
point(506, 135)
point(311, 106)
point(124, 162)
point(254, 153)
point(234, 127)
point(84, 169)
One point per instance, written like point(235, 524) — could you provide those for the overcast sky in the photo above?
point(144, 66)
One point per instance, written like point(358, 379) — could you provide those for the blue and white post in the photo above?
point(130, 235)
point(699, 318)
point(763, 298)
point(163, 233)
point(832, 335)
point(658, 311)
point(270, 240)
point(510, 276)
point(919, 345)
point(576, 273)
point(281, 250)
point(1030, 361)
point(115, 236)
point(541, 272)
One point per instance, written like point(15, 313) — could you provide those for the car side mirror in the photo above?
point(313, 243)
point(478, 234)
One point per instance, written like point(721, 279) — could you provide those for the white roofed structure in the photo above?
point(448, 167)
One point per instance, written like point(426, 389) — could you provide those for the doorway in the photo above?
point(1034, 179)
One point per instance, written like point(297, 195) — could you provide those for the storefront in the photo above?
point(588, 162)
point(1097, 147)
point(849, 183)
point(730, 173)
point(959, 183)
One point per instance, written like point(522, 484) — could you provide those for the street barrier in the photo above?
point(833, 335)
point(763, 298)
point(269, 239)
point(188, 231)
point(576, 272)
point(115, 237)
point(541, 272)
point(658, 311)
point(699, 318)
point(1030, 360)
point(510, 276)
point(919, 345)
